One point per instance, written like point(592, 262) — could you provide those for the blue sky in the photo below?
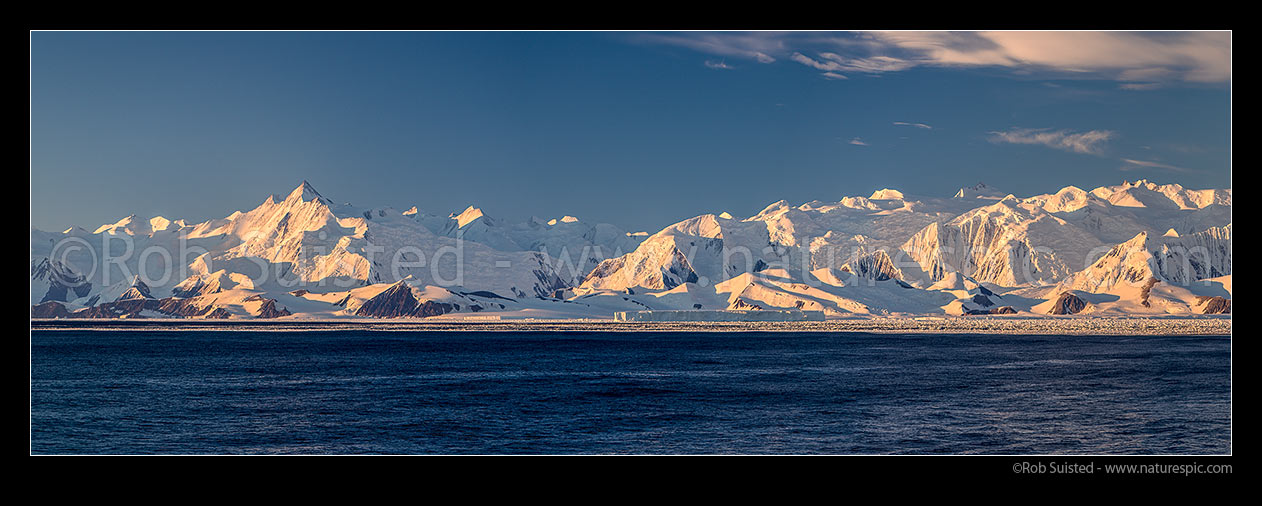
point(633, 128)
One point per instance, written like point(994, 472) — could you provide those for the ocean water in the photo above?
point(353, 392)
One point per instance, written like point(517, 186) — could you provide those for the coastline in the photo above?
point(1069, 326)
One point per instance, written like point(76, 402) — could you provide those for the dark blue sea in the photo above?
point(356, 392)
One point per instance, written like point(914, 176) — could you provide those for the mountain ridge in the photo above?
point(856, 255)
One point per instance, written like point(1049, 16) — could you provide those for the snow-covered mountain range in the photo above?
point(1133, 248)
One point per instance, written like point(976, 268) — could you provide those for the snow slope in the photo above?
point(981, 251)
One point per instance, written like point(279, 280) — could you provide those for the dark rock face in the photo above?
point(50, 309)
point(876, 266)
point(62, 281)
point(982, 301)
point(133, 293)
point(138, 290)
point(131, 308)
point(218, 313)
point(741, 304)
point(431, 308)
point(268, 310)
point(558, 294)
point(1143, 294)
point(548, 279)
point(680, 272)
point(188, 308)
point(985, 291)
point(996, 310)
point(394, 302)
point(398, 302)
point(1214, 305)
point(194, 286)
point(119, 309)
point(605, 269)
point(1068, 303)
point(493, 295)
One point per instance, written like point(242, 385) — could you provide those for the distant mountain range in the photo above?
point(1137, 248)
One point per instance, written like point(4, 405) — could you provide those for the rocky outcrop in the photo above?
point(62, 281)
point(1146, 291)
point(546, 277)
point(129, 308)
point(397, 301)
point(189, 308)
point(431, 308)
point(741, 304)
point(217, 313)
point(50, 309)
point(996, 310)
point(196, 285)
point(1068, 303)
point(1214, 305)
point(394, 302)
point(138, 290)
point(268, 310)
point(876, 266)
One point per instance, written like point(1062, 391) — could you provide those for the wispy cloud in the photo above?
point(858, 142)
point(833, 75)
point(834, 64)
point(757, 46)
point(1089, 142)
point(1140, 60)
point(819, 65)
point(872, 65)
point(718, 65)
point(1141, 164)
point(917, 125)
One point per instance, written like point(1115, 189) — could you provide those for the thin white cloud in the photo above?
point(1089, 142)
point(757, 46)
point(858, 142)
point(872, 65)
point(834, 64)
point(834, 76)
point(1139, 59)
point(718, 65)
point(917, 125)
point(819, 65)
point(1141, 164)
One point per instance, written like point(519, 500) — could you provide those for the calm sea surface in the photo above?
point(426, 392)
